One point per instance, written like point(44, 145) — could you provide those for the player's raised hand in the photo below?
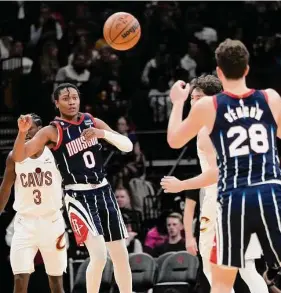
point(24, 123)
point(92, 132)
point(171, 184)
point(179, 91)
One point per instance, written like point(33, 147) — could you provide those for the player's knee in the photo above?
point(98, 261)
point(56, 284)
point(118, 250)
point(20, 283)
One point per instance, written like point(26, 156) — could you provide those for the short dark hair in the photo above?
point(36, 119)
point(63, 86)
point(232, 58)
point(209, 84)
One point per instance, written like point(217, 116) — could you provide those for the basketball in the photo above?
point(122, 31)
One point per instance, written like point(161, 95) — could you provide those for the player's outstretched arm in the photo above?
point(171, 184)
point(206, 178)
point(202, 113)
point(7, 183)
point(102, 130)
point(23, 150)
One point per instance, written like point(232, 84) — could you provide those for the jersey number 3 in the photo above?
point(37, 196)
point(258, 140)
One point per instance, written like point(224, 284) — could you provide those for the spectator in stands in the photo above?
point(156, 65)
point(83, 47)
point(76, 72)
point(107, 67)
point(49, 64)
point(132, 242)
point(175, 241)
point(46, 27)
point(5, 46)
point(159, 100)
point(188, 60)
point(126, 166)
point(123, 198)
point(16, 58)
point(156, 235)
point(18, 51)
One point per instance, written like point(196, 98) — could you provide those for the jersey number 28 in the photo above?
point(258, 140)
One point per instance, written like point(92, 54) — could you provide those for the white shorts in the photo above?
point(207, 229)
point(43, 233)
point(208, 221)
point(254, 250)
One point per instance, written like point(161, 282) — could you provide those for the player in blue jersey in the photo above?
point(243, 124)
point(207, 180)
point(91, 205)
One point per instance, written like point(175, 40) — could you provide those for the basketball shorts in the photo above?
point(95, 211)
point(44, 233)
point(208, 221)
point(241, 213)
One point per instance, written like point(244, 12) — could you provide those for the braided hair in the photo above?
point(36, 119)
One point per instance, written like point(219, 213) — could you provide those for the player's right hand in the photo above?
point(191, 245)
point(179, 91)
point(171, 184)
point(24, 123)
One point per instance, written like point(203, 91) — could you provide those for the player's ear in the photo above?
point(219, 73)
point(56, 104)
point(247, 70)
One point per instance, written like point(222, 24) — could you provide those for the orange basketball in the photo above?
point(122, 31)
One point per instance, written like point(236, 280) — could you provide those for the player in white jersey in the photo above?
point(39, 223)
point(207, 86)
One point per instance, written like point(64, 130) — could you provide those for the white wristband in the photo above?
point(122, 142)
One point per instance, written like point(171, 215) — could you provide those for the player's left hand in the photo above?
point(179, 91)
point(171, 184)
point(92, 132)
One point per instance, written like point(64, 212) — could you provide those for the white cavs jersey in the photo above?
point(208, 209)
point(38, 190)
point(210, 191)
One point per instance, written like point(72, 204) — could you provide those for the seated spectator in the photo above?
point(76, 72)
point(46, 27)
point(126, 166)
point(124, 202)
point(84, 48)
point(159, 101)
point(156, 235)
point(17, 60)
point(175, 241)
point(188, 60)
point(5, 46)
point(49, 64)
point(132, 242)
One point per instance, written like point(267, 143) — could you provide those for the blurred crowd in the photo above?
point(43, 44)
point(54, 42)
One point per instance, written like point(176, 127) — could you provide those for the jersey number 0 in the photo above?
point(89, 159)
point(258, 140)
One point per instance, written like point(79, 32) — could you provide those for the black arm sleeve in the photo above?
point(192, 194)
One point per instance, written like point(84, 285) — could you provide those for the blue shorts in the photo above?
point(255, 209)
point(95, 211)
